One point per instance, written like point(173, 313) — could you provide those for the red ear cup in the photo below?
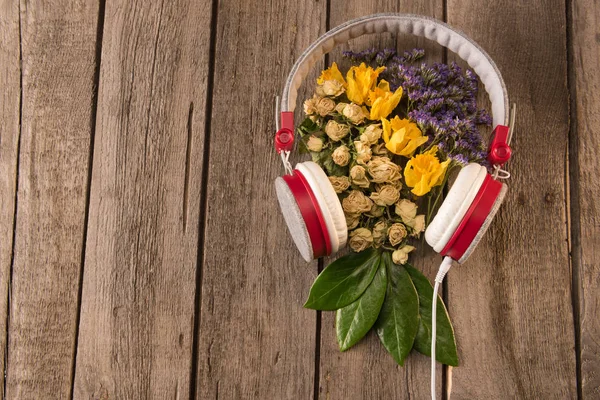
point(303, 216)
point(476, 220)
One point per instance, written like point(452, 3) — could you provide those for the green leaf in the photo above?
point(308, 126)
point(354, 321)
point(399, 317)
point(445, 348)
point(343, 281)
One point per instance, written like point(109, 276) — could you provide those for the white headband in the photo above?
point(416, 25)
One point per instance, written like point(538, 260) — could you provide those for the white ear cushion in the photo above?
point(293, 218)
point(328, 200)
point(486, 224)
point(455, 206)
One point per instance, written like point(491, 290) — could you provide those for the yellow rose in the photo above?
point(359, 176)
point(336, 131)
point(339, 183)
point(371, 134)
point(400, 256)
point(407, 210)
point(383, 101)
point(354, 113)
point(397, 233)
point(425, 171)
point(360, 239)
point(341, 156)
point(379, 233)
point(352, 220)
point(382, 169)
point(331, 73)
point(361, 80)
point(363, 153)
point(356, 203)
point(314, 143)
point(386, 196)
point(401, 136)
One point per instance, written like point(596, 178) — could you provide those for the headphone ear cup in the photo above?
point(455, 206)
point(294, 219)
point(329, 203)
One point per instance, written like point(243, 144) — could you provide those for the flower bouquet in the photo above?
point(388, 133)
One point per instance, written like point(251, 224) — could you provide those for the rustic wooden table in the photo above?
point(142, 254)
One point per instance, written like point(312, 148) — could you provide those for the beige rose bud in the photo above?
point(400, 256)
point(380, 150)
point(407, 210)
point(314, 143)
point(341, 156)
point(339, 183)
point(336, 131)
point(340, 107)
point(331, 88)
point(354, 113)
point(376, 211)
point(310, 105)
point(379, 233)
point(357, 202)
point(397, 233)
point(371, 134)
point(360, 239)
point(358, 175)
point(418, 225)
point(382, 169)
point(325, 106)
point(386, 196)
point(363, 152)
point(352, 220)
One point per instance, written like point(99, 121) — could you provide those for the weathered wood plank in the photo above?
point(137, 312)
point(585, 154)
point(58, 55)
point(511, 302)
point(255, 339)
point(10, 82)
point(367, 370)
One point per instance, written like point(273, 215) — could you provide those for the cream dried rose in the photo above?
point(407, 210)
point(357, 202)
point(339, 183)
point(382, 169)
point(358, 175)
point(354, 113)
point(371, 135)
point(360, 239)
point(352, 220)
point(400, 256)
point(331, 87)
point(325, 106)
point(380, 150)
point(397, 233)
point(418, 225)
point(340, 107)
point(314, 143)
point(336, 131)
point(310, 105)
point(363, 152)
point(386, 196)
point(341, 155)
point(379, 233)
point(376, 211)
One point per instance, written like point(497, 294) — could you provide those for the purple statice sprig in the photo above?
point(440, 98)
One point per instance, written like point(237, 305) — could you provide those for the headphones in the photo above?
point(309, 204)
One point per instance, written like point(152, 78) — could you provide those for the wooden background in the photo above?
point(140, 242)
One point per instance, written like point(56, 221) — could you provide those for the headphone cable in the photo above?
point(444, 268)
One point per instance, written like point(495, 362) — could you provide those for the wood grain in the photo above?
point(511, 302)
point(10, 82)
point(367, 370)
point(255, 339)
point(137, 312)
point(58, 65)
point(585, 155)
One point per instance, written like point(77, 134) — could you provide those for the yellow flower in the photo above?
point(424, 171)
point(401, 136)
point(331, 73)
point(361, 80)
point(383, 101)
